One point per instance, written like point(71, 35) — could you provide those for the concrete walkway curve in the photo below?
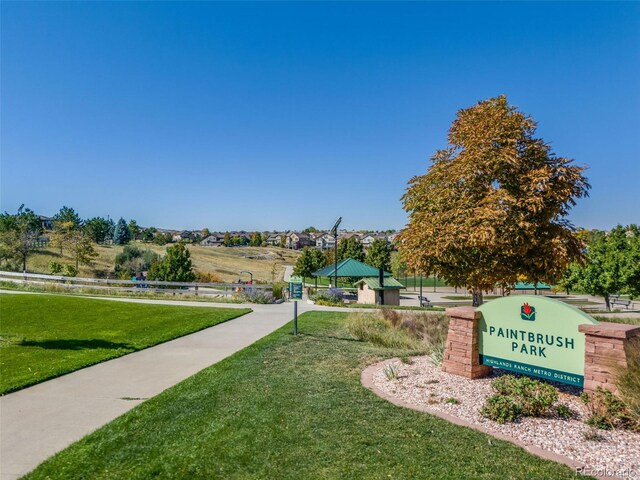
point(38, 421)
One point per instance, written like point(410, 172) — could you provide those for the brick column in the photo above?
point(461, 355)
point(606, 350)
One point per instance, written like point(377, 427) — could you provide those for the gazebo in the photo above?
point(348, 268)
point(524, 287)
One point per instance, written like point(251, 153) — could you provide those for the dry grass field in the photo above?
point(266, 263)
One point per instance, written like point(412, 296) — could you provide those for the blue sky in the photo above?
point(285, 115)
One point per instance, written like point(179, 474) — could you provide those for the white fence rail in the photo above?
point(139, 286)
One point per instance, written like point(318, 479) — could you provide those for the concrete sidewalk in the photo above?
point(38, 421)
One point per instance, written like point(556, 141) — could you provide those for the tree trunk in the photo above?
point(477, 297)
point(24, 263)
point(607, 302)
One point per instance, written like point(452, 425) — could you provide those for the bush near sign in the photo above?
point(535, 336)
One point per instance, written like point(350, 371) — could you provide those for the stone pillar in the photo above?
point(606, 351)
point(461, 352)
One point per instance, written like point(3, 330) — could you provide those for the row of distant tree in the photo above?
point(377, 255)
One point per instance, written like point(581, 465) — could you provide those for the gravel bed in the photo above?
point(421, 383)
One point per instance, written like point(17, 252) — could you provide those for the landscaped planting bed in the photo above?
point(425, 385)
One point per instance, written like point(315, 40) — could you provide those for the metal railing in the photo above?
point(138, 286)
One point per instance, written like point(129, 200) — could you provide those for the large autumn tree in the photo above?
point(493, 204)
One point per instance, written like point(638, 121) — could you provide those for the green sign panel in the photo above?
point(295, 287)
point(534, 335)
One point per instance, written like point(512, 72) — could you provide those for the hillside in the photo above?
point(221, 261)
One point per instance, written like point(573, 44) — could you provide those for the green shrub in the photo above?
point(563, 411)
point(520, 396)
point(535, 398)
point(55, 268)
point(69, 270)
point(607, 411)
point(501, 408)
point(278, 290)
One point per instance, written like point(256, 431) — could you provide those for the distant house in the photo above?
point(345, 236)
point(182, 236)
point(325, 241)
point(213, 240)
point(297, 240)
point(369, 238)
point(275, 239)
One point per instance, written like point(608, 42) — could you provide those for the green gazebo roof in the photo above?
point(349, 268)
point(373, 283)
point(531, 286)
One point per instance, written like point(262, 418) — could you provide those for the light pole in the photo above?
point(334, 232)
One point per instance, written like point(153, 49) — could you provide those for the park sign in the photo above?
point(534, 335)
point(295, 287)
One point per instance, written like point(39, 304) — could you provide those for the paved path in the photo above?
point(38, 421)
point(288, 271)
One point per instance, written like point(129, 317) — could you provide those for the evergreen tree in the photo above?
point(68, 214)
point(379, 254)
point(134, 229)
point(121, 234)
point(97, 229)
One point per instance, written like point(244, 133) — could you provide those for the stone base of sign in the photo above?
point(461, 353)
point(606, 352)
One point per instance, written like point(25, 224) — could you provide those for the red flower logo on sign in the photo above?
point(527, 312)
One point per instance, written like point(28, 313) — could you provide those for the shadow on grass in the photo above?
point(76, 344)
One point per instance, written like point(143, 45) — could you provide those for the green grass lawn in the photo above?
point(45, 336)
point(290, 408)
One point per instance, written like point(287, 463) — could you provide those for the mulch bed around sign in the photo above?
point(423, 386)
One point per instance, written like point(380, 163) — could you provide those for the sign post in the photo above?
point(295, 287)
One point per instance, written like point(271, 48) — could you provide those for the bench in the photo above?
point(616, 300)
point(424, 301)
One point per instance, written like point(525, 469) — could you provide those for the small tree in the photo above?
point(18, 236)
point(148, 234)
point(493, 204)
point(62, 232)
point(612, 265)
point(227, 241)
point(134, 229)
point(81, 248)
point(97, 229)
point(121, 234)
point(68, 214)
point(306, 263)
point(379, 254)
point(175, 266)
point(256, 239)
